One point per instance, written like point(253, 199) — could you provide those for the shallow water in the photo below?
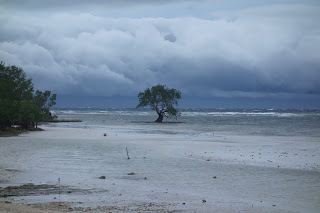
point(263, 160)
point(80, 156)
point(233, 121)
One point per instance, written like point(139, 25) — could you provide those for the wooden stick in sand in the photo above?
point(127, 153)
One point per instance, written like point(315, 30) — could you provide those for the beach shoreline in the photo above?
point(169, 172)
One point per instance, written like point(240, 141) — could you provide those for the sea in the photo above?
point(260, 122)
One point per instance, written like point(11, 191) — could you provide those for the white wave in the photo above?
point(271, 114)
point(68, 112)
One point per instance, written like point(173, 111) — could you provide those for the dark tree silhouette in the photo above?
point(18, 104)
point(161, 99)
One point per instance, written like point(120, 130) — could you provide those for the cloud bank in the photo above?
point(265, 51)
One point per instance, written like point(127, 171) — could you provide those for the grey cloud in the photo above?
point(80, 4)
point(106, 4)
point(170, 37)
point(86, 54)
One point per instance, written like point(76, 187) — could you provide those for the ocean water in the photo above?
point(262, 122)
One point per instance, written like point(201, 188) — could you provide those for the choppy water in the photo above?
point(194, 121)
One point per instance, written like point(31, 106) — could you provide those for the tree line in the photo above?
point(19, 103)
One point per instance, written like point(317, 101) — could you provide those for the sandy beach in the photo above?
point(81, 170)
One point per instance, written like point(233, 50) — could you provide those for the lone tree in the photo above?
point(161, 99)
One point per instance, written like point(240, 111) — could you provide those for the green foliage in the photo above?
point(44, 100)
point(18, 104)
point(13, 84)
point(14, 88)
point(161, 99)
point(28, 114)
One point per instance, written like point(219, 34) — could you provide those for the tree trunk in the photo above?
point(24, 125)
point(160, 118)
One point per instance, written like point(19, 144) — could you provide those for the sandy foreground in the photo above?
point(81, 170)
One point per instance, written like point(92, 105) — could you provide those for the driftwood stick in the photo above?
point(127, 153)
point(59, 187)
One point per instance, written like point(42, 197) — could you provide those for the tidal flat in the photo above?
point(61, 169)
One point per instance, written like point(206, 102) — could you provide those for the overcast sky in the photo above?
point(204, 48)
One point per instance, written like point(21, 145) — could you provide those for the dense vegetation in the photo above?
point(161, 99)
point(19, 104)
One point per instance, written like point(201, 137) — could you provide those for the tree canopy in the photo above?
point(161, 99)
point(19, 105)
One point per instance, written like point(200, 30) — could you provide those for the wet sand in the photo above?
point(6, 207)
point(81, 170)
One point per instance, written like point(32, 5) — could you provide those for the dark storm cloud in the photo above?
point(253, 53)
point(80, 4)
